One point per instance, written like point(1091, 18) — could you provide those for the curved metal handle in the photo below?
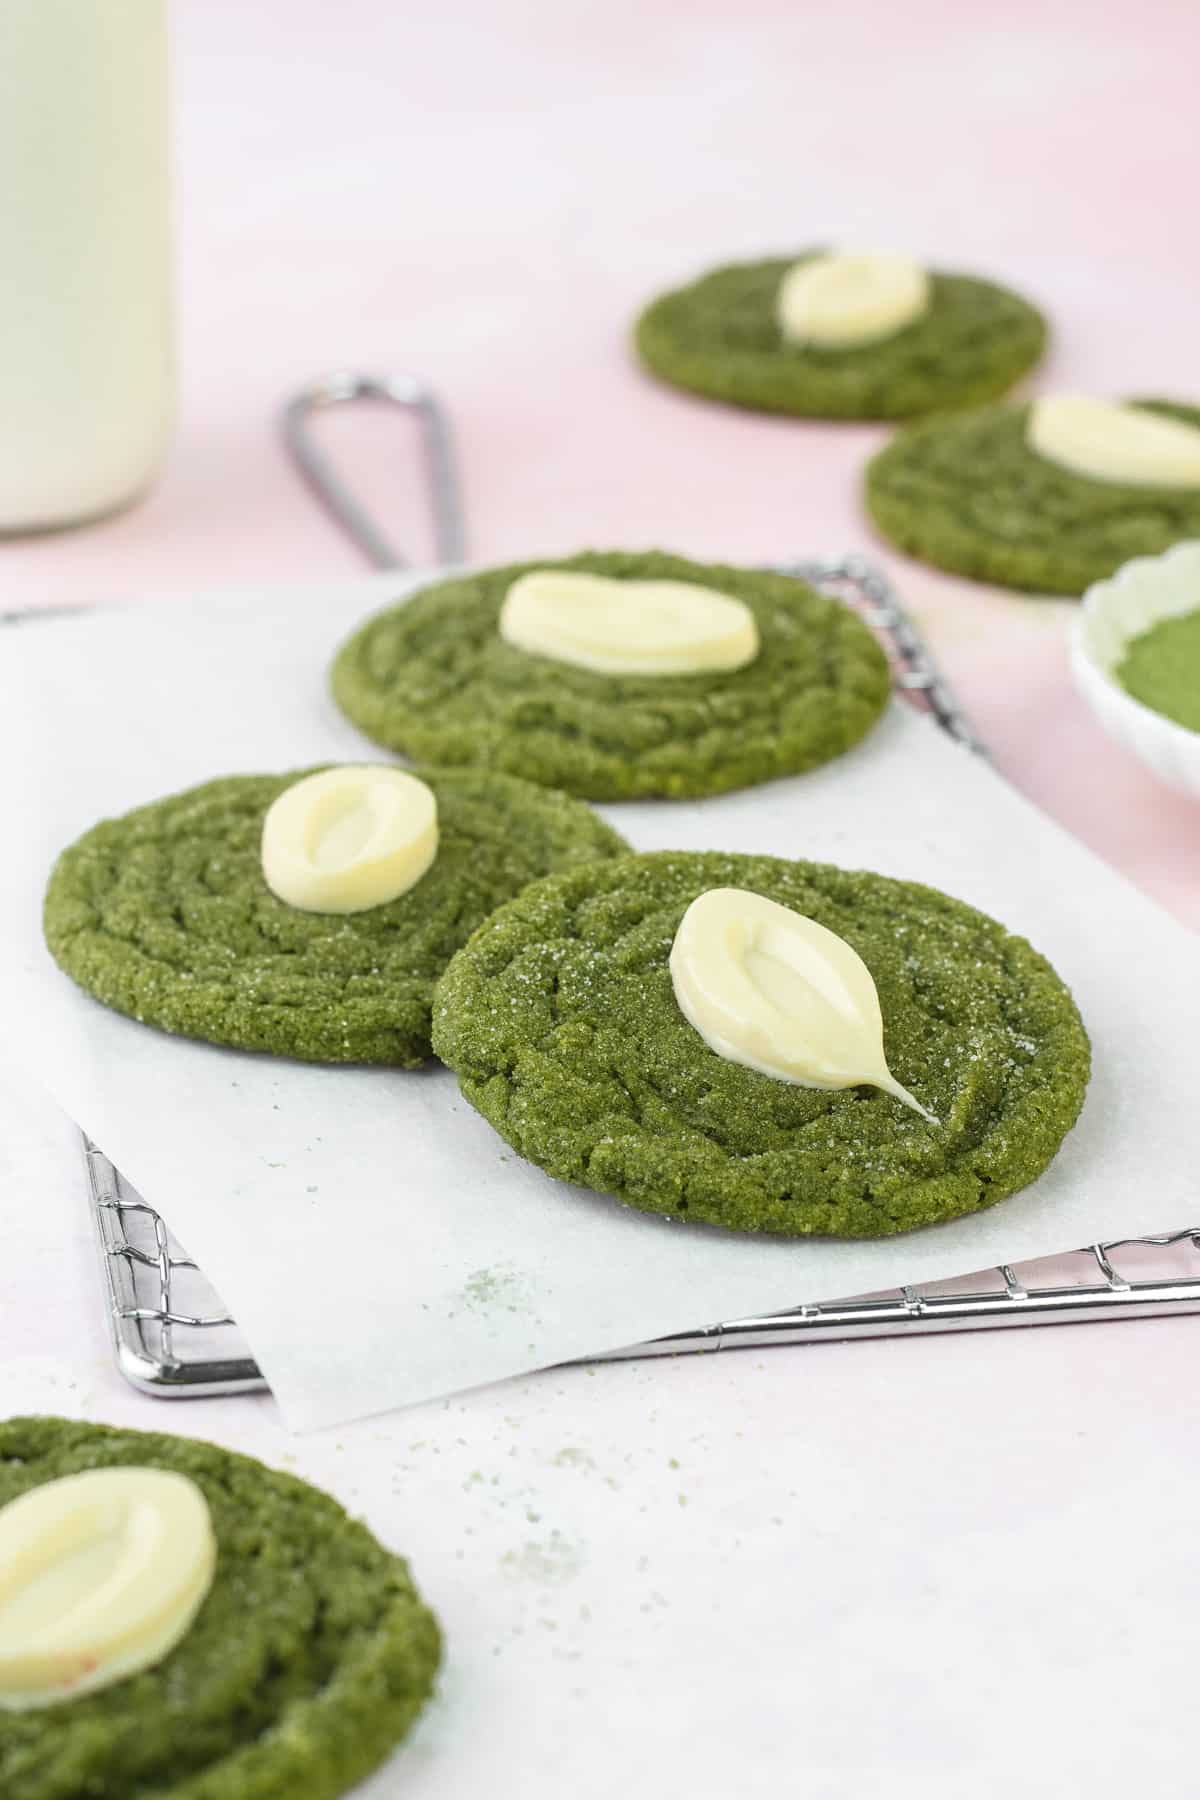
point(344, 388)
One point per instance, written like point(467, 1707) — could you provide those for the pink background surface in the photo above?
point(486, 192)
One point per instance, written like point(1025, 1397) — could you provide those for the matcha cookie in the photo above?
point(720, 337)
point(434, 679)
point(969, 495)
point(561, 1021)
point(164, 914)
point(307, 1663)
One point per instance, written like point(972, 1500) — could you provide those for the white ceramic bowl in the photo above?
point(1114, 611)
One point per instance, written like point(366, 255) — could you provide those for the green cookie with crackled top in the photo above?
point(968, 494)
point(720, 337)
point(165, 914)
point(561, 1021)
point(307, 1663)
point(434, 679)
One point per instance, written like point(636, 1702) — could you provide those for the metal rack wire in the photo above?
point(173, 1336)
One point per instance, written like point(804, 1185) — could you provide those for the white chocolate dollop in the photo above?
point(627, 627)
point(773, 990)
point(101, 1575)
point(349, 838)
point(836, 301)
point(1110, 442)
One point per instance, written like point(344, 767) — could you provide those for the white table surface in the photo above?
point(948, 1565)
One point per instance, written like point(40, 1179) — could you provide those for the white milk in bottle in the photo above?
point(85, 257)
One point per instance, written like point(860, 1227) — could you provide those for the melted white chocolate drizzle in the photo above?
point(349, 838)
point(773, 990)
point(1109, 442)
point(837, 301)
point(619, 627)
point(101, 1575)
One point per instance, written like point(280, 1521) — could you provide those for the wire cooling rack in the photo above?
point(172, 1334)
point(174, 1337)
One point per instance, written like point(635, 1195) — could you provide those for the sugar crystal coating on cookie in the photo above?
point(434, 679)
point(562, 1024)
point(308, 1661)
point(165, 915)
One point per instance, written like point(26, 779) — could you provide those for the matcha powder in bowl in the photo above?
point(1135, 659)
point(1161, 668)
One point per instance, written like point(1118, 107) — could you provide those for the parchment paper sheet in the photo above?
point(377, 1242)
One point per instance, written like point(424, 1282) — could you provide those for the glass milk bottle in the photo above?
point(85, 257)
